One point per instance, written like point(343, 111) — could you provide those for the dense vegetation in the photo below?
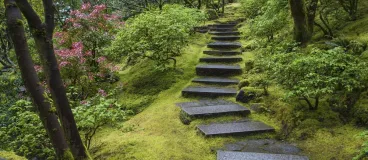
point(110, 60)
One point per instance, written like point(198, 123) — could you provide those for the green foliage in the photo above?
point(364, 151)
point(274, 18)
point(22, 132)
point(252, 8)
point(96, 113)
point(157, 35)
point(318, 73)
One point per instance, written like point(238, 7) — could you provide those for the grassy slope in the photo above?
point(157, 133)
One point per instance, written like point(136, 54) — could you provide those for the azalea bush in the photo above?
point(97, 112)
point(79, 49)
point(157, 35)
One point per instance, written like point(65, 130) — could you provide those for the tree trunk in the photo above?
point(223, 6)
point(32, 83)
point(199, 4)
point(303, 20)
point(42, 34)
point(301, 28)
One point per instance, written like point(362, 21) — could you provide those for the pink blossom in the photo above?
point(101, 59)
point(102, 92)
point(88, 53)
point(63, 64)
point(37, 68)
point(58, 34)
point(84, 102)
point(86, 6)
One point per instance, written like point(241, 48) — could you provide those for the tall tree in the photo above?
point(351, 7)
point(42, 34)
point(303, 15)
point(32, 82)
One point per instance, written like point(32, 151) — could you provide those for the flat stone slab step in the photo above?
point(216, 80)
point(216, 110)
point(208, 91)
point(225, 33)
point(222, 53)
point(223, 29)
point(221, 59)
point(230, 155)
point(204, 102)
point(218, 70)
point(222, 25)
point(226, 38)
point(224, 45)
point(234, 128)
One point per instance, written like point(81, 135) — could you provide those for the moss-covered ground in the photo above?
point(156, 132)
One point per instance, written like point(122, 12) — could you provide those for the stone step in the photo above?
point(216, 80)
point(231, 155)
point(222, 25)
point(216, 110)
point(218, 70)
point(234, 128)
point(225, 33)
point(224, 45)
point(226, 38)
point(221, 59)
point(204, 102)
point(208, 91)
point(223, 29)
point(222, 53)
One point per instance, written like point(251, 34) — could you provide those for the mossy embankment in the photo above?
point(157, 133)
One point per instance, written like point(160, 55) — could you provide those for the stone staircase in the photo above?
point(216, 80)
point(216, 72)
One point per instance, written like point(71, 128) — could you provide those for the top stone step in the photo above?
point(222, 29)
point(225, 33)
point(222, 25)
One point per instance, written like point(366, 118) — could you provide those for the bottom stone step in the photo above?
point(209, 91)
point(230, 155)
point(234, 128)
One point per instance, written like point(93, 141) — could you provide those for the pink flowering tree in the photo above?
point(79, 48)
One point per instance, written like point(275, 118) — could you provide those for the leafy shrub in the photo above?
point(273, 19)
point(364, 151)
point(157, 35)
point(252, 8)
point(318, 73)
point(351, 46)
point(21, 131)
point(96, 113)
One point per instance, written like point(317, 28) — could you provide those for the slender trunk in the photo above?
point(32, 82)
point(316, 103)
point(223, 6)
point(42, 34)
point(308, 102)
point(199, 4)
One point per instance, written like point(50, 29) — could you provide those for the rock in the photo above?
point(248, 93)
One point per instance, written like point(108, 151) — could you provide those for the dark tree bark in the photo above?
point(351, 7)
point(32, 83)
point(42, 34)
point(199, 4)
point(223, 6)
point(303, 17)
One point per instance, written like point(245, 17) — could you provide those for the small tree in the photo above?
point(318, 74)
point(157, 35)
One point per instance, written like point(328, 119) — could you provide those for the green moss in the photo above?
point(10, 156)
point(68, 155)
